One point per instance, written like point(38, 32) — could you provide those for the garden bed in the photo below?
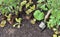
point(30, 18)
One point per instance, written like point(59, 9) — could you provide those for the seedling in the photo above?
point(8, 17)
point(18, 20)
point(33, 21)
point(3, 23)
point(22, 4)
point(28, 4)
point(41, 5)
point(30, 10)
point(38, 15)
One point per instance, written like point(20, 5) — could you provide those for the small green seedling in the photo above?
point(30, 10)
point(8, 17)
point(38, 15)
point(18, 20)
point(3, 23)
point(22, 4)
point(27, 5)
point(43, 7)
point(33, 21)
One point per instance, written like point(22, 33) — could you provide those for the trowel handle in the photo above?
point(47, 15)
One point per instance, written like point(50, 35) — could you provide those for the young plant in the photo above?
point(38, 15)
point(33, 21)
point(54, 19)
point(3, 23)
point(30, 10)
point(41, 5)
point(8, 17)
point(18, 20)
point(22, 4)
point(27, 5)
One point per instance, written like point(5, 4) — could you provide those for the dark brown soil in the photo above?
point(26, 30)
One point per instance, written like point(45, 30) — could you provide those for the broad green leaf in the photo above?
point(38, 15)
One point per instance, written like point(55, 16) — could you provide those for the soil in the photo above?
point(26, 30)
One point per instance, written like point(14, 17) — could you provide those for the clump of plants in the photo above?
point(54, 21)
point(11, 9)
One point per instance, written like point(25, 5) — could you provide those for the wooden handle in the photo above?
point(47, 15)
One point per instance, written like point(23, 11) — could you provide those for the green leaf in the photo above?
point(54, 18)
point(43, 7)
point(53, 4)
point(38, 15)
